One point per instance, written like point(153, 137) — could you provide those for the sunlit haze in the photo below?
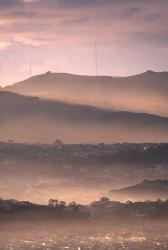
point(60, 35)
point(83, 124)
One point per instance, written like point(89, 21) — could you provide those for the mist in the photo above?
point(146, 92)
point(34, 120)
point(80, 173)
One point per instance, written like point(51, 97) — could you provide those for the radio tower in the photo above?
point(96, 59)
point(0, 73)
point(30, 70)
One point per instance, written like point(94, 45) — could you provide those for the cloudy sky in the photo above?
point(60, 35)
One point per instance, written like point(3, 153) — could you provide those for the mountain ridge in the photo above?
point(143, 93)
point(147, 72)
point(19, 97)
point(41, 120)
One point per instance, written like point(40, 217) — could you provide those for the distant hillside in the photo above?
point(31, 119)
point(146, 92)
point(146, 190)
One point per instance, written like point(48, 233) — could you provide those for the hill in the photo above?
point(146, 92)
point(31, 119)
point(146, 190)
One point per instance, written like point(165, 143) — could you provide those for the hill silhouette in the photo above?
point(146, 92)
point(31, 119)
point(156, 189)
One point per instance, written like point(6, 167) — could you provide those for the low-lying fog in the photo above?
point(41, 131)
point(40, 182)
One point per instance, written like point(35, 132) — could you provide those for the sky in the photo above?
point(60, 36)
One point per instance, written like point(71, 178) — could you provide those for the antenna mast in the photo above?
point(30, 70)
point(96, 59)
point(0, 73)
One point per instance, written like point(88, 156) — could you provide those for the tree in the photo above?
point(58, 143)
point(75, 207)
point(53, 203)
point(104, 200)
point(62, 204)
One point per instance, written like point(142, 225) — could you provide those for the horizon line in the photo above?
point(84, 75)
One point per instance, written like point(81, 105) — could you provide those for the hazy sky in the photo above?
point(59, 35)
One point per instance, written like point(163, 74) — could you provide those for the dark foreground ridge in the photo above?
point(103, 210)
